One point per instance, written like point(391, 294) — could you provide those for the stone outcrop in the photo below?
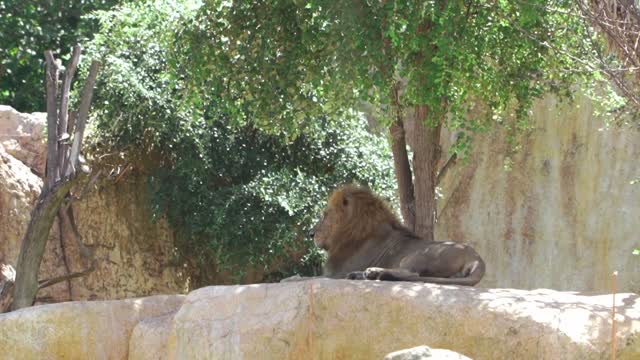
point(563, 213)
point(78, 330)
point(334, 319)
point(22, 136)
point(425, 353)
point(134, 253)
point(150, 339)
point(328, 319)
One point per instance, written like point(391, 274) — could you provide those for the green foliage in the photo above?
point(27, 29)
point(240, 199)
point(247, 198)
point(280, 63)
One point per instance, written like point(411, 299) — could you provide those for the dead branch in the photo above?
point(58, 184)
point(618, 21)
point(52, 119)
point(63, 130)
point(83, 114)
point(50, 282)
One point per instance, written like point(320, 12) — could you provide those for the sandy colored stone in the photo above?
point(138, 253)
point(21, 134)
point(149, 340)
point(367, 320)
point(564, 217)
point(19, 189)
point(425, 353)
point(78, 330)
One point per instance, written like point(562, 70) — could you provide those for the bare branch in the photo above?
point(50, 282)
point(52, 171)
point(64, 108)
point(619, 23)
point(88, 185)
point(83, 114)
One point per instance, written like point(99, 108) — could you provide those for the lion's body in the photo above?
point(365, 240)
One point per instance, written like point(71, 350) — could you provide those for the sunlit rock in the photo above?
point(78, 330)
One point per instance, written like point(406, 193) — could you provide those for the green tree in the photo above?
point(27, 29)
point(279, 64)
point(241, 200)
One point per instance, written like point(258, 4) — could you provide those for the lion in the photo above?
point(364, 240)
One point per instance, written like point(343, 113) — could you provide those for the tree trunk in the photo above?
point(35, 241)
point(404, 176)
point(426, 154)
point(403, 173)
point(52, 171)
point(60, 177)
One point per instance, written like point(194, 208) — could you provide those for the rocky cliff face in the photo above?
point(134, 256)
point(564, 217)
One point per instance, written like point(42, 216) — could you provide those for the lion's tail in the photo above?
point(475, 271)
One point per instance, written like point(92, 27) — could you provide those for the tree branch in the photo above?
point(50, 282)
point(52, 170)
point(404, 175)
point(83, 114)
point(63, 130)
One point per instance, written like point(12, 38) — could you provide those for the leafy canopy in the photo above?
point(280, 63)
point(241, 200)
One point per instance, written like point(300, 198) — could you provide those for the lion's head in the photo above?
point(352, 216)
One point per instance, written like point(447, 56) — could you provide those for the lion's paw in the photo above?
point(373, 273)
point(356, 275)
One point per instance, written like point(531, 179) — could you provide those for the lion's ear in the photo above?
point(345, 201)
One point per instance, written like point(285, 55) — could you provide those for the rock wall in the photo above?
point(564, 217)
point(134, 256)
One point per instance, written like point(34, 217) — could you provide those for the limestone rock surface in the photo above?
point(425, 353)
point(560, 212)
point(339, 319)
point(22, 135)
point(150, 338)
point(328, 319)
point(78, 330)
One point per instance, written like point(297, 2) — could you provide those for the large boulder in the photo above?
point(22, 136)
point(339, 319)
point(78, 330)
point(150, 338)
point(328, 319)
point(425, 353)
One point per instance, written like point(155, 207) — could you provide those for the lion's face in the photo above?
point(324, 231)
point(353, 215)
